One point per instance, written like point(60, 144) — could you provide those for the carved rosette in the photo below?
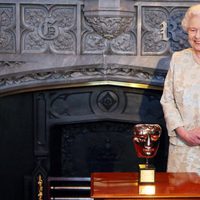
point(49, 28)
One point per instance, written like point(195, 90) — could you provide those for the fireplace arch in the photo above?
point(80, 130)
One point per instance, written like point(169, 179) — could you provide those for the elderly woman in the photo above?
point(181, 100)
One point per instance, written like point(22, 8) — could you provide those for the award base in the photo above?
point(146, 173)
point(147, 189)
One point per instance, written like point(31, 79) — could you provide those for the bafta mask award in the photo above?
point(146, 142)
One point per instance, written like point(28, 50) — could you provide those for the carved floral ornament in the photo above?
point(109, 18)
point(113, 72)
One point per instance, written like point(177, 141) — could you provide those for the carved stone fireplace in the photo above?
point(95, 68)
point(89, 129)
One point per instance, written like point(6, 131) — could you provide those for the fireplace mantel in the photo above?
point(39, 72)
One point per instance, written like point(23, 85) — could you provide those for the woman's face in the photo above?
point(194, 33)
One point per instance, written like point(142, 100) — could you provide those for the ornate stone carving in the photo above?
point(155, 39)
point(111, 72)
point(107, 101)
point(177, 37)
point(111, 20)
point(162, 30)
point(95, 43)
point(11, 63)
point(110, 27)
point(50, 28)
point(7, 29)
point(124, 44)
point(151, 31)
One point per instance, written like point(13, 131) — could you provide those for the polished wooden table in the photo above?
point(124, 185)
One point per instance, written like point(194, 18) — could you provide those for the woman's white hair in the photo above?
point(192, 11)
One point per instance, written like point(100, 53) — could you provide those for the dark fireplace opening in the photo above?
point(77, 150)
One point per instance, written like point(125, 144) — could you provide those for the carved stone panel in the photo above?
point(48, 28)
point(99, 103)
point(154, 34)
point(93, 42)
point(162, 32)
point(177, 37)
point(7, 28)
point(33, 33)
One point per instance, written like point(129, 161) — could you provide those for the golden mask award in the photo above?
point(146, 142)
